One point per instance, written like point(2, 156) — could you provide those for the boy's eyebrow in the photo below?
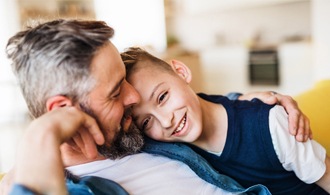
point(154, 90)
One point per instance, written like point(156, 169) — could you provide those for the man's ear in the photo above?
point(182, 70)
point(57, 102)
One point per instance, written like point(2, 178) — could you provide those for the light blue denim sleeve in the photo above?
point(233, 95)
point(183, 153)
point(73, 188)
point(21, 190)
point(100, 185)
point(85, 186)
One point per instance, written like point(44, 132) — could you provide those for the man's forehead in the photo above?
point(107, 67)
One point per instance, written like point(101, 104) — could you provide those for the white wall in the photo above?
point(136, 23)
point(12, 105)
point(8, 9)
point(222, 33)
point(225, 69)
point(13, 109)
point(321, 38)
point(200, 30)
point(296, 68)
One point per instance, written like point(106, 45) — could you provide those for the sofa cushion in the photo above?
point(315, 103)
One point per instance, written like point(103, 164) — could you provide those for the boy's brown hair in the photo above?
point(136, 58)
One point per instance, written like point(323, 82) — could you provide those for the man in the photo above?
point(69, 63)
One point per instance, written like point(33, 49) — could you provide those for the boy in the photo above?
point(246, 140)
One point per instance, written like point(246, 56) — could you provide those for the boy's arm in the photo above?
point(298, 122)
point(324, 182)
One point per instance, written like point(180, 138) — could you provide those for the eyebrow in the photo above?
point(154, 90)
point(116, 87)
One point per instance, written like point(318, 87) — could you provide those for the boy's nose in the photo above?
point(166, 120)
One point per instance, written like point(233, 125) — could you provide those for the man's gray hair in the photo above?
point(54, 58)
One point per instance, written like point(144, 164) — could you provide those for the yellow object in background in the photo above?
point(315, 103)
point(1, 175)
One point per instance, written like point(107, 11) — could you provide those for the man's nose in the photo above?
point(130, 95)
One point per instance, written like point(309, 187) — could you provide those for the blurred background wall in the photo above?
point(237, 45)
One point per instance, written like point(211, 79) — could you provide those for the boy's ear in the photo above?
point(57, 102)
point(182, 70)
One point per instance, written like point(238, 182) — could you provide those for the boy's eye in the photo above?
point(145, 123)
point(162, 97)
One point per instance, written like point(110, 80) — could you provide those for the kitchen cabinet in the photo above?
point(225, 69)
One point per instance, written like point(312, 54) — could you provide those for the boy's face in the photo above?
point(169, 109)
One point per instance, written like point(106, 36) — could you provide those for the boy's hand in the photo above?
point(39, 155)
point(298, 121)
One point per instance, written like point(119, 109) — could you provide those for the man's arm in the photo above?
point(39, 164)
point(307, 160)
point(324, 182)
point(298, 122)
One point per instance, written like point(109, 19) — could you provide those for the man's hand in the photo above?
point(298, 122)
point(39, 164)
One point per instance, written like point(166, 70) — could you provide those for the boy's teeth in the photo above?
point(183, 122)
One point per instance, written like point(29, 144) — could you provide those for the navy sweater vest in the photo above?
point(248, 155)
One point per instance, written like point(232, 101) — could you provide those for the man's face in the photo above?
point(109, 103)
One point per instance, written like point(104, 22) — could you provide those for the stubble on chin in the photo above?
point(123, 144)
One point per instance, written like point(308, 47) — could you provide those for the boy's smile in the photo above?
point(180, 126)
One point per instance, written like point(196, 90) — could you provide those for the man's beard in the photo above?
point(123, 143)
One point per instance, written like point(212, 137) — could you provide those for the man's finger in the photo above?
point(90, 150)
point(92, 127)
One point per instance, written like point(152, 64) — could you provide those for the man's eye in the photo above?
point(162, 97)
point(145, 123)
point(117, 95)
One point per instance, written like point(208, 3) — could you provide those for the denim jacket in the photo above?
point(183, 153)
point(88, 185)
